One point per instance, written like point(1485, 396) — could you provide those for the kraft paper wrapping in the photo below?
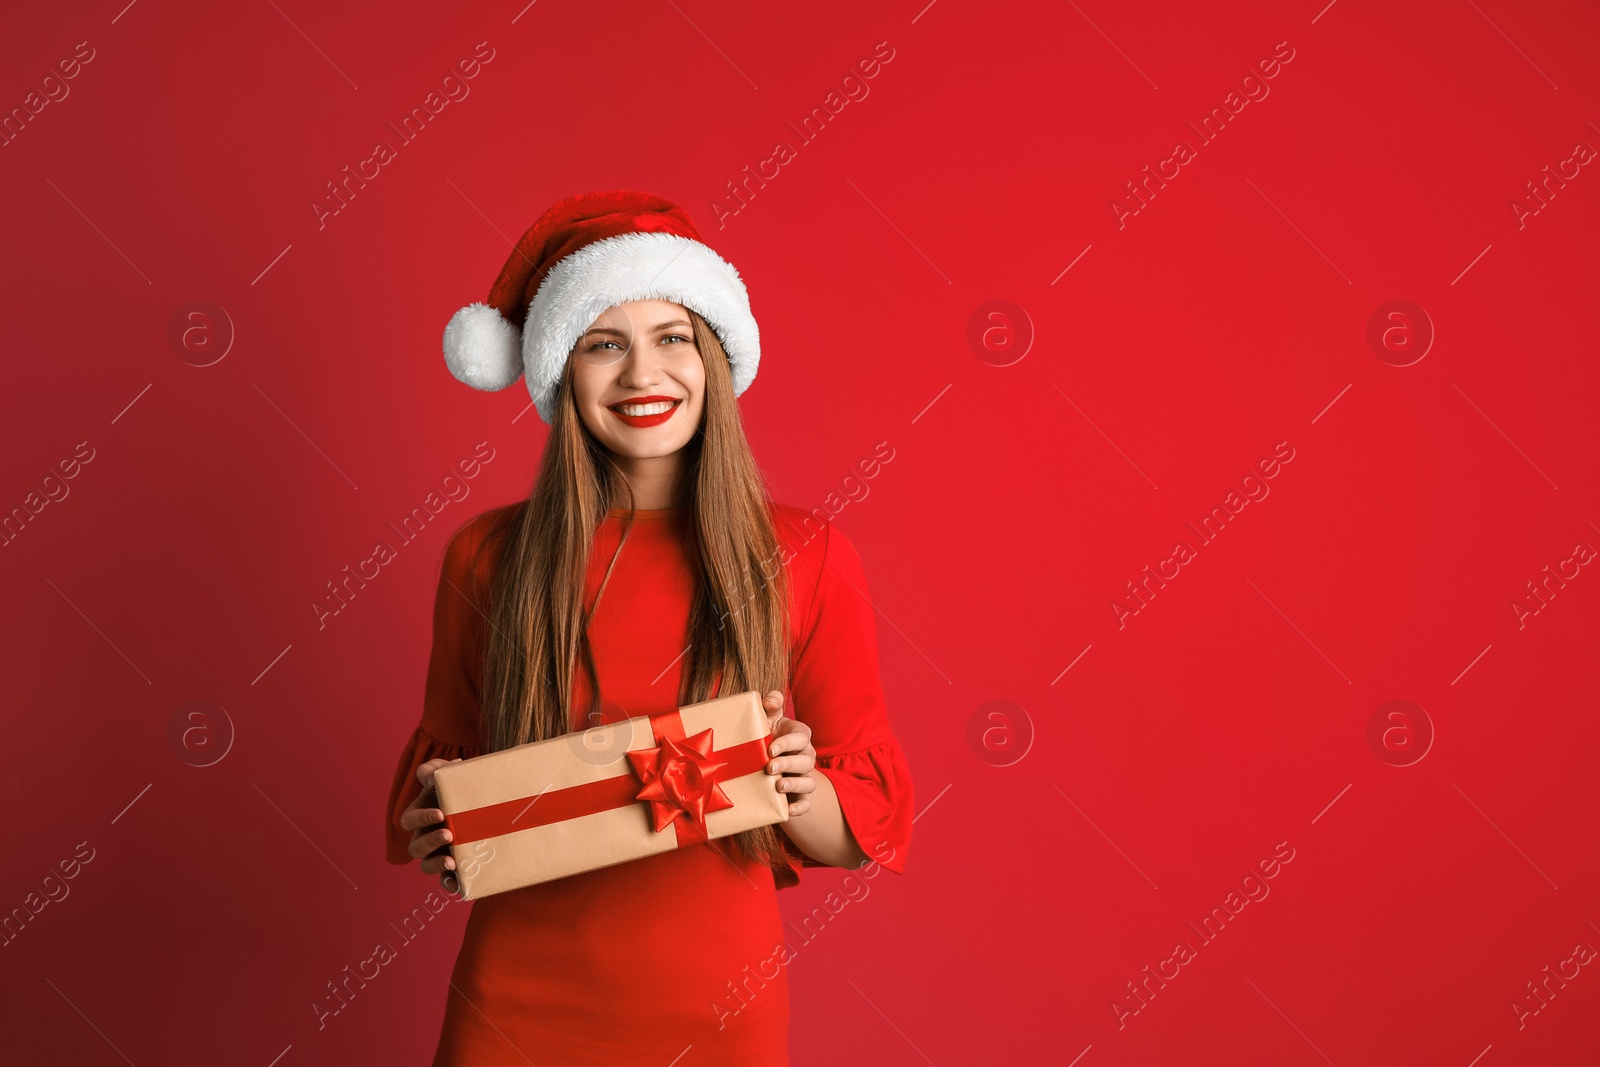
point(532, 773)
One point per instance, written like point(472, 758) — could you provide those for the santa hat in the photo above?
point(584, 255)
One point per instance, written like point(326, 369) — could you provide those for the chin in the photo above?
point(636, 449)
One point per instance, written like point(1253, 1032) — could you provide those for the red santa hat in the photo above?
point(586, 254)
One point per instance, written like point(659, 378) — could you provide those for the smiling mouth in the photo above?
point(657, 407)
point(642, 415)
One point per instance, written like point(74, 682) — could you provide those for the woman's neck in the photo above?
point(657, 482)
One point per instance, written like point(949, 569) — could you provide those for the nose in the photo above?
point(638, 366)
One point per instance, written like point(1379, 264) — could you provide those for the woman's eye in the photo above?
point(599, 344)
point(675, 337)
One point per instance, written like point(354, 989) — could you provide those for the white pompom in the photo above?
point(482, 349)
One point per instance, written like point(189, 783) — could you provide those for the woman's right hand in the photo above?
point(430, 841)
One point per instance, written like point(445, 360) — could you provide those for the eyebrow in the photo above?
point(654, 329)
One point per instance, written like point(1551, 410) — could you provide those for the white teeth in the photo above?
point(646, 409)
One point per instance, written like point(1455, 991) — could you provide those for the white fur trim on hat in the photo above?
point(633, 266)
point(482, 348)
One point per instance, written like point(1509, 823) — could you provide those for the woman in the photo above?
point(647, 570)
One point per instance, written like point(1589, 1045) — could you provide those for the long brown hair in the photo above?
point(537, 639)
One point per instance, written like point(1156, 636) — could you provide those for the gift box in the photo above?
point(614, 793)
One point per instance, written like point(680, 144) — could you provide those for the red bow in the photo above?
point(680, 778)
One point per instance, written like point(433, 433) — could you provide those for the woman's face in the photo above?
point(638, 379)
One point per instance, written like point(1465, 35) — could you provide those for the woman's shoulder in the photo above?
point(813, 548)
point(484, 523)
point(804, 533)
point(476, 543)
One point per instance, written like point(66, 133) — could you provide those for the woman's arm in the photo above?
point(450, 707)
point(848, 761)
point(816, 823)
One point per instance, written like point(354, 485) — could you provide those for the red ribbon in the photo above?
point(681, 781)
point(680, 778)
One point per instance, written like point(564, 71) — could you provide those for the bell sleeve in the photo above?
point(449, 728)
point(835, 689)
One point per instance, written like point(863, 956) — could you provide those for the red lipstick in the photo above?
point(642, 421)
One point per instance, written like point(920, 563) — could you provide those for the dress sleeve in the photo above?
point(835, 689)
point(450, 710)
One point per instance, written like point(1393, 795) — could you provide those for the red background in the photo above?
point(1228, 315)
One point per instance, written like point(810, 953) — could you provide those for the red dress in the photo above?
point(668, 959)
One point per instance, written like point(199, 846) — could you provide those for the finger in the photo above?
point(420, 822)
point(438, 864)
point(792, 765)
point(427, 844)
point(799, 806)
point(791, 741)
point(421, 818)
point(425, 772)
point(783, 726)
point(773, 701)
point(797, 783)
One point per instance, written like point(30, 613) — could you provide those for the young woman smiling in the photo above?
point(648, 569)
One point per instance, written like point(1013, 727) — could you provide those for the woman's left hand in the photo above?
point(793, 755)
